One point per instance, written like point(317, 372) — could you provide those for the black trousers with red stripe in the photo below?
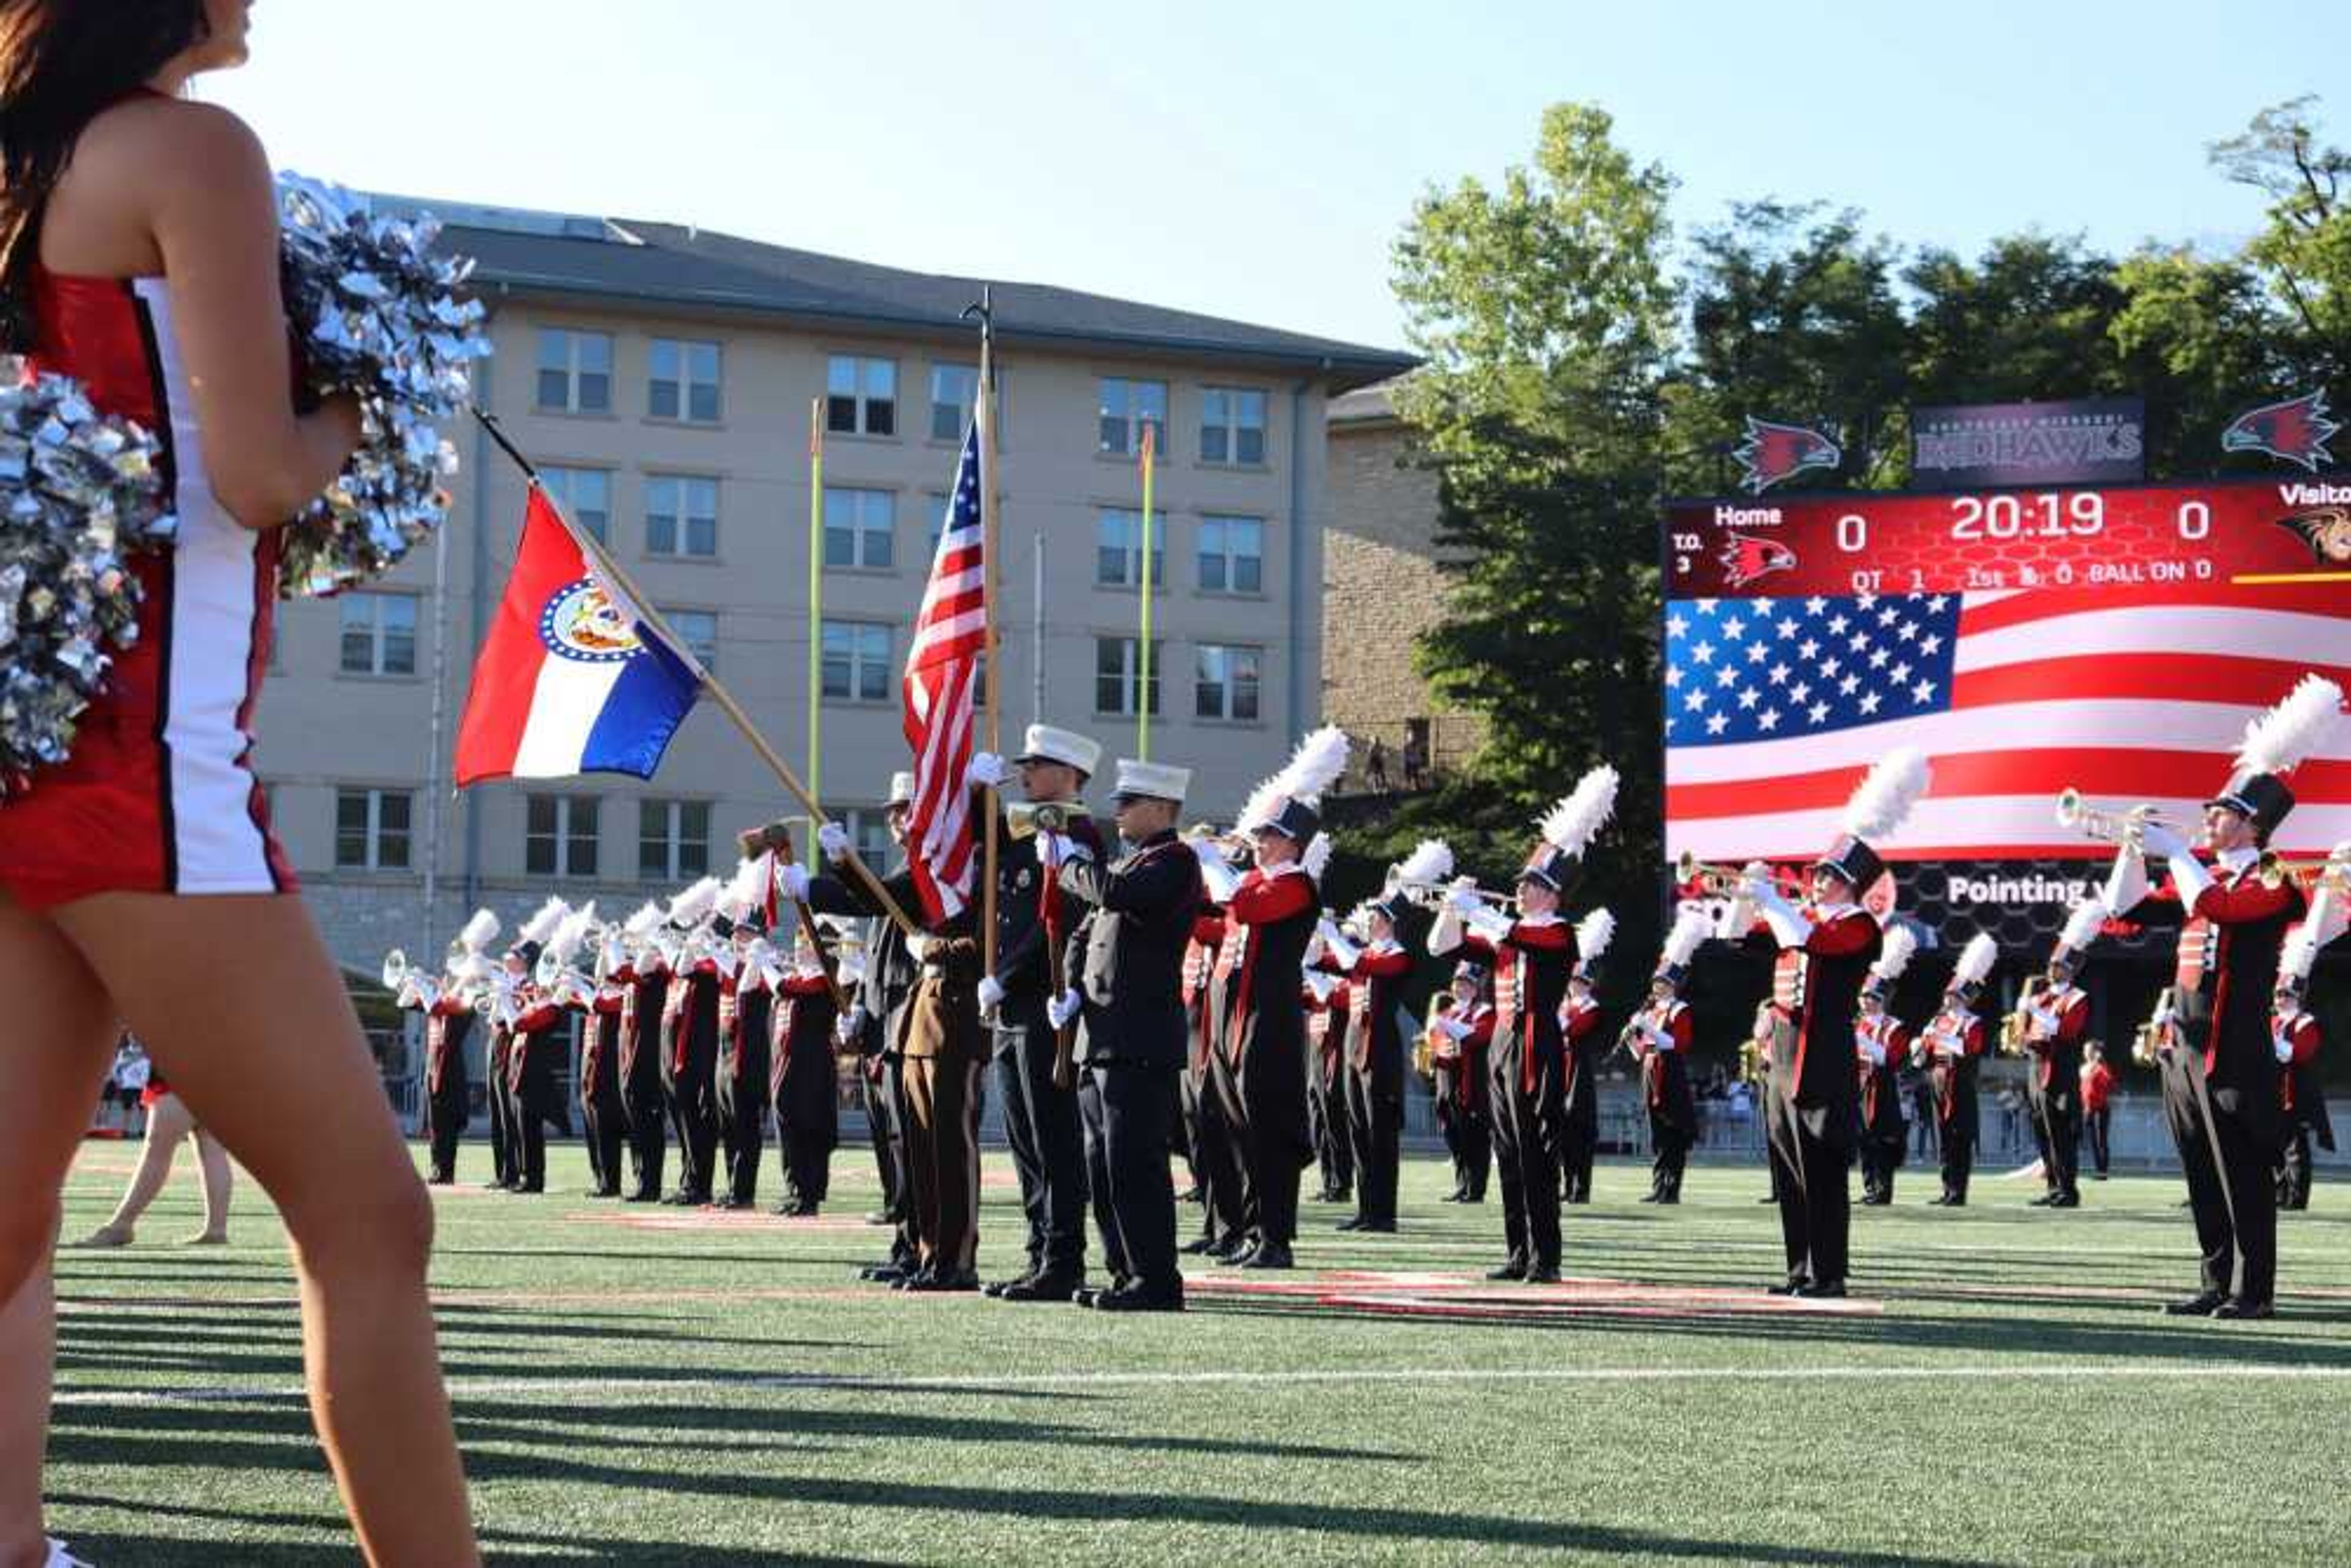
point(1530, 1137)
point(1808, 1177)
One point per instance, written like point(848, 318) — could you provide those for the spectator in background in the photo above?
point(129, 1084)
point(1415, 758)
point(1375, 767)
point(2098, 1106)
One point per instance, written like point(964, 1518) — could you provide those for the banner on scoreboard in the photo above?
point(2083, 441)
point(2115, 639)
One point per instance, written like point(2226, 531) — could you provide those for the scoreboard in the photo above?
point(2220, 530)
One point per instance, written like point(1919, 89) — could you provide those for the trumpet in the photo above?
point(1027, 818)
point(1713, 881)
point(1434, 894)
point(2310, 872)
point(2126, 827)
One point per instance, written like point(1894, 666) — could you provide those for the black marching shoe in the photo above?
point(2203, 1305)
point(1377, 1226)
point(1654, 1196)
point(935, 1282)
point(1266, 1255)
point(1355, 1224)
point(1134, 1299)
point(1791, 1288)
point(2067, 1200)
point(2240, 1308)
point(1512, 1269)
point(1042, 1287)
point(1233, 1248)
point(1542, 1274)
point(1200, 1244)
point(1831, 1290)
point(997, 1287)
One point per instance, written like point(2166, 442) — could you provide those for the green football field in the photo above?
point(638, 1385)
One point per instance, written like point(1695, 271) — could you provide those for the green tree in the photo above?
point(2304, 252)
point(2201, 338)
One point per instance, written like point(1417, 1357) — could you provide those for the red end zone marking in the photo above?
point(1461, 1296)
point(647, 1218)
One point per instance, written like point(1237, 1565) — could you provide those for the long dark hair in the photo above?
point(63, 62)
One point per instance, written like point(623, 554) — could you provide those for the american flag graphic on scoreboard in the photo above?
point(1776, 707)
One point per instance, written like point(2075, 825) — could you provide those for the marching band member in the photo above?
point(1127, 955)
point(2219, 1066)
point(448, 1019)
point(803, 1082)
point(1325, 1000)
point(2056, 1014)
point(744, 1005)
point(2097, 1106)
point(604, 1110)
point(536, 1049)
point(1951, 1049)
point(1532, 956)
point(1260, 1027)
point(499, 995)
point(1659, 1035)
point(1372, 1050)
point(1587, 1049)
point(945, 1052)
point(2295, 1039)
point(1884, 1049)
point(1216, 1158)
point(1460, 1033)
point(644, 981)
point(689, 1040)
point(1825, 951)
point(1039, 1091)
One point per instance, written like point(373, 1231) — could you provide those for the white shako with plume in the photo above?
point(1568, 830)
point(2082, 924)
point(1976, 960)
point(570, 933)
point(1593, 934)
point(692, 906)
point(1290, 802)
point(1878, 807)
point(479, 932)
point(2274, 744)
point(531, 939)
point(1690, 929)
point(1900, 946)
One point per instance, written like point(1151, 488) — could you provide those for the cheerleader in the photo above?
point(140, 882)
point(169, 1123)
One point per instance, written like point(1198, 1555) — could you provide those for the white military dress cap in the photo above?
point(1154, 780)
point(1043, 743)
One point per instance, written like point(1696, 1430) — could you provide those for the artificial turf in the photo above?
point(643, 1385)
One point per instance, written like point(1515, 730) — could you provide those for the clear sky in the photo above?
point(1255, 161)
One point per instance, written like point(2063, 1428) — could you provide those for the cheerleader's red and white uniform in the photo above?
point(157, 796)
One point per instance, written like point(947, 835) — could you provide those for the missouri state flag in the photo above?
point(570, 679)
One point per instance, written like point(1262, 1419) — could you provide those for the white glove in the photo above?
point(2162, 838)
point(845, 1027)
point(833, 840)
point(1456, 1028)
point(986, 770)
point(1061, 1009)
point(1314, 947)
point(918, 946)
point(1464, 900)
point(2285, 1049)
point(1874, 1051)
point(1790, 928)
point(991, 994)
point(1491, 925)
point(2126, 883)
point(792, 882)
point(1663, 1039)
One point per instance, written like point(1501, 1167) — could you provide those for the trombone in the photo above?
point(2126, 827)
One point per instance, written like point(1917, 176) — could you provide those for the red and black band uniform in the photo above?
point(689, 1063)
point(1953, 1044)
point(2302, 1102)
point(1882, 1047)
point(447, 1021)
point(541, 1044)
point(1463, 1092)
point(802, 1084)
point(744, 1004)
point(1326, 1090)
point(1816, 990)
point(644, 1109)
point(1260, 1038)
point(1663, 1042)
point(1587, 1048)
point(1375, 1068)
point(1215, 1152)
point(1528, 1083)
point(2057, 1024)
point(603, 1112)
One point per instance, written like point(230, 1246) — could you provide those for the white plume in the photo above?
point(1262, 806)
point(1976, 959)
point(694, 905)
point(541, 925)
point(1430, 862)
point(1593, 935)
point(1317, 858)
point(647, 918)
point(1572, 824)
point(1899, 781)
point(2291, 731)
point(1316, 765)
point(2082, 926)
point(1900, 946)
point(479, 932)
point(746, 890)
point(1689, 932)
point(571, 932)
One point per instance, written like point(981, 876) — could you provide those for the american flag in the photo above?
point(1774, 709)
point(943, 673)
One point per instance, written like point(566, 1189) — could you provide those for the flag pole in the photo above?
point(595, 551)
point(1142, 649)
point(983, 413)
point(816, 597)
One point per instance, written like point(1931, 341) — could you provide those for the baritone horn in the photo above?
point(2128, 827)
point(396, 970)
point(1027, 818)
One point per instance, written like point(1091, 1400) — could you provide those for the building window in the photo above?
point(681, 516)
point(861, 396)
point(1118, 554)
point(1232, 555)
point(954, 388)
point(1114, 674)
point(856, 661)
point(372, 832)
point(672, 840)
point(860, 528)
point(698, 630)
point(575, 371)
point(1126, 407)
point(379, 633)
point(559, 837)
point(585, 494)
point(1226, 682)
point(684, 380)
point(1232, 426)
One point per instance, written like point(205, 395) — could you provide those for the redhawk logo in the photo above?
point(2326, 529)
point(2296, 430)
point(1772, 453)
point(1744, 559)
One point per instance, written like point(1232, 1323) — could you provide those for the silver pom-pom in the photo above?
point(79, 491)
point(377, 313)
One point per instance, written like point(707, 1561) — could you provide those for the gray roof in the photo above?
point(1373, 405)
point(592, 259)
